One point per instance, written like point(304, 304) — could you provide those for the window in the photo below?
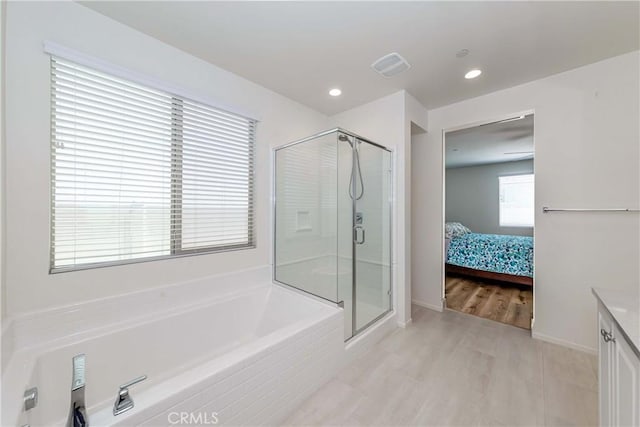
point(516, 201)
point(138, 173)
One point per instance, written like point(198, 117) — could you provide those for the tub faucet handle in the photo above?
point(133, 382)
point(124, 402)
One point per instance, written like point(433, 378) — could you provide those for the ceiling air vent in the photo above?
point(391, 64)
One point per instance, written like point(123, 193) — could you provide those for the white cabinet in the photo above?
point(619, 375)
point(626, 384)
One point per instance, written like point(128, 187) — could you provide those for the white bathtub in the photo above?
point(246, 359)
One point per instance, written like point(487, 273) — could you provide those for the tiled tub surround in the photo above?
point(250, 355)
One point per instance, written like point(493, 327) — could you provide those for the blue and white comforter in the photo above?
point(493, 252)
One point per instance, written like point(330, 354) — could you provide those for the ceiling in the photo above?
point(302, 49)
point(506, 141)
point(499, 142)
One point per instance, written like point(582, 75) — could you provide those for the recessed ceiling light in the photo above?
point(473, 74)
point(335, 92)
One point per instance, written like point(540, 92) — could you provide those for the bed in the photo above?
point(489, 256)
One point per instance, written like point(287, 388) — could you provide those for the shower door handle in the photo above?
point(356, 234)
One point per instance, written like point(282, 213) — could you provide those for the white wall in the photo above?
point(387, 121)
point(587, 155)
point(425, 171)
point(3, 299)
point(29, 286)
point(415, 127)
point(472, 196)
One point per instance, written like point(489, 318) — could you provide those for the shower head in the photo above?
point(343, 137)
point(356, 154)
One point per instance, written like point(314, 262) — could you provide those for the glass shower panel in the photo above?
point(306, 216)
point(372, 233)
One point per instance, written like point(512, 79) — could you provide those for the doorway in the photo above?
point(489, 220)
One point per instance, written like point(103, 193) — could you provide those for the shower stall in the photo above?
point(332, 219)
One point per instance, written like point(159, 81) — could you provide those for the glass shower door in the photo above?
point(371, 233)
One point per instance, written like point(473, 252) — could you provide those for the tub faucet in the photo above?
point(124, 402)
point(78, 412)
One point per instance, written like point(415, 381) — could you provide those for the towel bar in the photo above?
point(546, 209)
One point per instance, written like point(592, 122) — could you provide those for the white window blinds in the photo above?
point(138, 173)
point(516, 200)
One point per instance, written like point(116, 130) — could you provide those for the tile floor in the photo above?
point(453, 369)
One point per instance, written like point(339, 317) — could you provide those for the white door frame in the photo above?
point(444, 190)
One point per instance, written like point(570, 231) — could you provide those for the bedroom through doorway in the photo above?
point(489, 220)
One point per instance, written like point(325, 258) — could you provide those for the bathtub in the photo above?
point(245, 359)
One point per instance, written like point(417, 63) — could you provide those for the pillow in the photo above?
point(455, 229)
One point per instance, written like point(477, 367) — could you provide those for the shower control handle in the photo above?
point(356, 237)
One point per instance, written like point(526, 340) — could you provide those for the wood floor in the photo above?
point(503, 303)
point(451, 369)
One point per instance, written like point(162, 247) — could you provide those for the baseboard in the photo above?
point(564, 343)
point(427, 305)
point(405, 324)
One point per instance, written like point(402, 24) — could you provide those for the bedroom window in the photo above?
point(516, 200)
point(140, 174)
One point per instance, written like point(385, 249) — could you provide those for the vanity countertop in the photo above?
point(624, 307)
